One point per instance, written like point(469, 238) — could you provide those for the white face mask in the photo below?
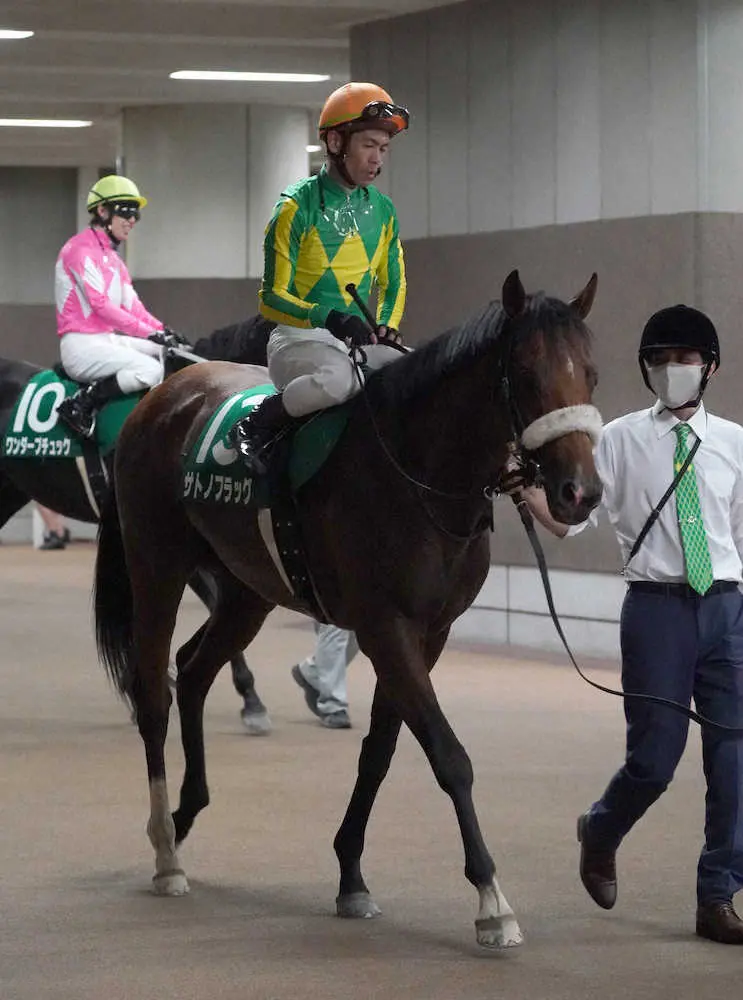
point(675, 384)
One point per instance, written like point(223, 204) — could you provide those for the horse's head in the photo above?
point(549, 378)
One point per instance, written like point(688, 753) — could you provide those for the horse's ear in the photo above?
point(583, 301)
point(513, 297)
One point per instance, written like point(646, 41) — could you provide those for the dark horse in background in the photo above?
point(396, 529)
point(56, 483)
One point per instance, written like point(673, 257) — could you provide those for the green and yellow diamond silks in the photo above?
point(691, 524)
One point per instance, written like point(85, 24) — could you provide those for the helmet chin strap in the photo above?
point(106, 225)
point(339, 162)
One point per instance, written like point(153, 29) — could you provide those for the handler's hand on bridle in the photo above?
point(514, 478)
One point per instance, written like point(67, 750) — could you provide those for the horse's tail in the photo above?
point(112, 596)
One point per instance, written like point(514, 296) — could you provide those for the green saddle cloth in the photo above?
point(213, 472)
point(35, 430)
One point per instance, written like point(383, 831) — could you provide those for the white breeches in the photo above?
point(135, 361)
point(313, 369)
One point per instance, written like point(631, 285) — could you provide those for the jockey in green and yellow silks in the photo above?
point(325, 232)
point(322, 237)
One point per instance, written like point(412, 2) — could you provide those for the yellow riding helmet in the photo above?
point(112, 187)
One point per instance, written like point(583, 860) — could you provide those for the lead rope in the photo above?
point(528, 522)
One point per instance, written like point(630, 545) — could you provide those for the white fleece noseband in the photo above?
point(557, 423)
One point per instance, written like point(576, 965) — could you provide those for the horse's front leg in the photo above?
point(402, 660)
point(377, 749)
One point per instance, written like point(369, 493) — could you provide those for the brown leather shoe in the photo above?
point(718, 921)
point(598, 869)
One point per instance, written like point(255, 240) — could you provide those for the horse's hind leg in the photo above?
point(235, 620)
point(157, 589)
point(402, 660)
point(253, 714)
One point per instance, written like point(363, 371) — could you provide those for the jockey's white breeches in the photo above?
point(135, 361)
point(313, 369)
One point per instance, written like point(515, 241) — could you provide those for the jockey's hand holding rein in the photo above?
point(349, 328)
point(386, 335)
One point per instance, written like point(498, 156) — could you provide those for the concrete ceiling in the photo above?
point(89, 59)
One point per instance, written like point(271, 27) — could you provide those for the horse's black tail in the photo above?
point(112, 596)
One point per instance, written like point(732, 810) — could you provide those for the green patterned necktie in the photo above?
point(689, 511)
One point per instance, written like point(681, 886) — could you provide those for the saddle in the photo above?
point(34, 431)
point(213, 472)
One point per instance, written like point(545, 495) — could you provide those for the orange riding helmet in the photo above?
point(356, 106)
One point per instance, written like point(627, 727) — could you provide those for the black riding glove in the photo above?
point(347, 326)
point(169, 338)
point(176, 338)
point(390, 336)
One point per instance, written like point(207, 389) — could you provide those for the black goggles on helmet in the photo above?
point(125, 209)
point(380, 110)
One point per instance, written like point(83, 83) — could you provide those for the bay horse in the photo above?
point(57, 484)
point(396, 529)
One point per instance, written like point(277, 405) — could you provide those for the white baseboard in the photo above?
point(511, 609)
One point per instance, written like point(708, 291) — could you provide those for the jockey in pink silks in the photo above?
point(103, 326)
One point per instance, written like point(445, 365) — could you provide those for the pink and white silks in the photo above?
point(101, 321)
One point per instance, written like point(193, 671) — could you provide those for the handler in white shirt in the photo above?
point(682, 619)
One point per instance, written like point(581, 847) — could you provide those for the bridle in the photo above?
point(523, 438)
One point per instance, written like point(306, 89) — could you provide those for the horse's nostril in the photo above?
point(571, 493)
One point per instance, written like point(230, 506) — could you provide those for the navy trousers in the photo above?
point(681, 648)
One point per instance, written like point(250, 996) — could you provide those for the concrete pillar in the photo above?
point(190, 163)
point(212, 174)
point(86, 178)
point(277, 157)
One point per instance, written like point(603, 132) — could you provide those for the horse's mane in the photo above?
point(418, 373)
point(244, 342)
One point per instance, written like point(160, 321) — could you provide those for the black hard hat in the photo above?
point(684, 327)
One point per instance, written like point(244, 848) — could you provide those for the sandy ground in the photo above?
point(77, 919)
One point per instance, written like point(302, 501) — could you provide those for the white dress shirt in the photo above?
point(634, 459)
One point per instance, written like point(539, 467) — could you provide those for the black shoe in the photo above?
point(52, 541)
point(78, 412)
point(311, 694)
point(598, 869)
point(336, 720)
point(719, 922)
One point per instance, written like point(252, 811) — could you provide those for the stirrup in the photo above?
point(252, 456)
point(73, 413)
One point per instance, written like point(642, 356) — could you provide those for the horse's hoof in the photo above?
point(256, 723)
point(170, 883)
point(356, 905)
point(499, 933)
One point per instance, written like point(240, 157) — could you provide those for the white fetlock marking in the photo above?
point(169, 879)
point(170, 884)
point(496, 924)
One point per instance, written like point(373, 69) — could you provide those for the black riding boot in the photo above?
point(80, 411)
point(254, 436)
